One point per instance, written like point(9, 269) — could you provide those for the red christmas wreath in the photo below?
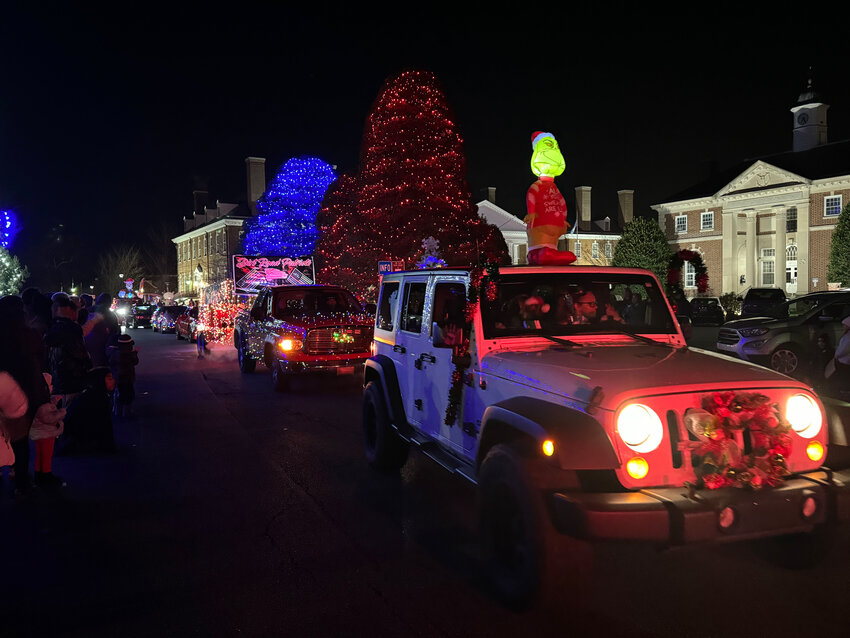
point(674, 269)
point(720, 429)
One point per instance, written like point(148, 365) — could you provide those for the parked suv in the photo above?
point(577, 426)
point(758, 302)
point(786, 341)
point(707, 310)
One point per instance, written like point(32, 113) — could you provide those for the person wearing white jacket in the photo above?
point(13, 405)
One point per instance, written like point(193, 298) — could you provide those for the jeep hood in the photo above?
point(624, 370)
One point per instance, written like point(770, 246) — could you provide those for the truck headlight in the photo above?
point(804, 415)
point(288, 344)
point(640, 427)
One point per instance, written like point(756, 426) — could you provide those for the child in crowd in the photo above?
point(46, 426)
point(123, 359)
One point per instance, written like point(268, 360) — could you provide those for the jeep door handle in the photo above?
point(399, 349)
point(427, 358)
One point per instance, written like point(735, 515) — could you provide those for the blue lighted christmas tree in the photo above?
point(286, 223)
point(8, 228)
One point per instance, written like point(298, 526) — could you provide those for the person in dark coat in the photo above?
point(88, 423)
point(123, 359)
point(23, 356)
point(86, 308)
point(68, 359)
point(101, 330)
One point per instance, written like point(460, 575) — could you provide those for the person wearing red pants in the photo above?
point(46, 426)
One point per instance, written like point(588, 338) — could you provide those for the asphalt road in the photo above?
point(230, 510)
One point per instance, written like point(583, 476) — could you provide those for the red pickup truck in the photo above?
point(298, 329)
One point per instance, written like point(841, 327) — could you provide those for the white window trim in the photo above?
point(789, 218)
point(690, 275)
point(764, 272)
point(840, 199)
point(676, 224)
point(608, 251)
point(702, 218)
point(578, 249)
point(594, 250)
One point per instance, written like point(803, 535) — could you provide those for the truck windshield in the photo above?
point(306, 301)
point(572, 304)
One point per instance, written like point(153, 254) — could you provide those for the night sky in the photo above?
point(110, 117)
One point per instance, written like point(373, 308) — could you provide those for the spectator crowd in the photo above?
point(65, 370)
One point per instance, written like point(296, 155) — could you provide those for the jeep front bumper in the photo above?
point(673, 516)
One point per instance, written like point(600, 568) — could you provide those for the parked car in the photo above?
point(166, 317)
point(575, 431)
point(300, 329)
point(140, 317)
point(785, 341)
point(758, 302)
point(707, 311)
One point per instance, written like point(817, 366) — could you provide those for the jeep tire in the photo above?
point(527, 561)
point(385, 449)
point(246, 363)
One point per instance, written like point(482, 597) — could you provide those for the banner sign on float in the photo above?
point(388, 266)
point(250, 273)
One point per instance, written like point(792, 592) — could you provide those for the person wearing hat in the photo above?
point(123, 358)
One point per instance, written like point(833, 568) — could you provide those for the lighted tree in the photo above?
point(410, 184)
point(839, 252)
point(643, 245)
point(286, 223)
point(12, 274)
point(9, 227)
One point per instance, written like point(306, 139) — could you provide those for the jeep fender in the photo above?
point(581, 443)
point(381, 369)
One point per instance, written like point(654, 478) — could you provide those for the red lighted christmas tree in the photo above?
point(410, 184)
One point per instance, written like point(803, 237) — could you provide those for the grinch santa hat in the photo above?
point(537, 136)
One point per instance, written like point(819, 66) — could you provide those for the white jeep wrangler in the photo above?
point(581, 414)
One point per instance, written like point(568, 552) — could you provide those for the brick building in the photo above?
point(593, 241)
point(211, 235)
point(767, 222)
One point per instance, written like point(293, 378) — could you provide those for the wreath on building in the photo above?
point(742, 441)
point(674, 269)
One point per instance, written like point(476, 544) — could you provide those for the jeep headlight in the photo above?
point(640, 427)
point(754, 332)
point(804, 415)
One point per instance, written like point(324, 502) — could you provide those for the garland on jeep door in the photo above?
point(482, 282)
point(674, 269)
point(725, 419)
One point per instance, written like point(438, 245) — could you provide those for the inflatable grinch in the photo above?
point(546, 220)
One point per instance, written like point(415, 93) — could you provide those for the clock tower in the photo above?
point(809, 119)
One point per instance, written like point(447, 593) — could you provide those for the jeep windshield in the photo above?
point(313, 302)
point(558, 304)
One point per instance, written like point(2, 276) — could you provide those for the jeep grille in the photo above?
point(338, 340)
point(728, 336)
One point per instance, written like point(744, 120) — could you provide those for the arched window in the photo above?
point(690, 275)
point(791, 252)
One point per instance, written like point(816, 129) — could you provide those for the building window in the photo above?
point(706, 221)
point(594, 250)
point(767, 273)
point(608, 251)
point(791, 253)
point(577, 251)
point(681, 223)
point(690, 275)
point(768, 253)
point(791, 220)
point(832, 205)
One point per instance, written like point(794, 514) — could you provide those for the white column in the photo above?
point(729, 252)
point(750, 248)
point(780, 246)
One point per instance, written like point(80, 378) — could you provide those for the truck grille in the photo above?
point(728, 336)
point(338, 340)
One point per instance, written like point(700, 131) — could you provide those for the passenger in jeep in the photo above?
point(587, 309)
